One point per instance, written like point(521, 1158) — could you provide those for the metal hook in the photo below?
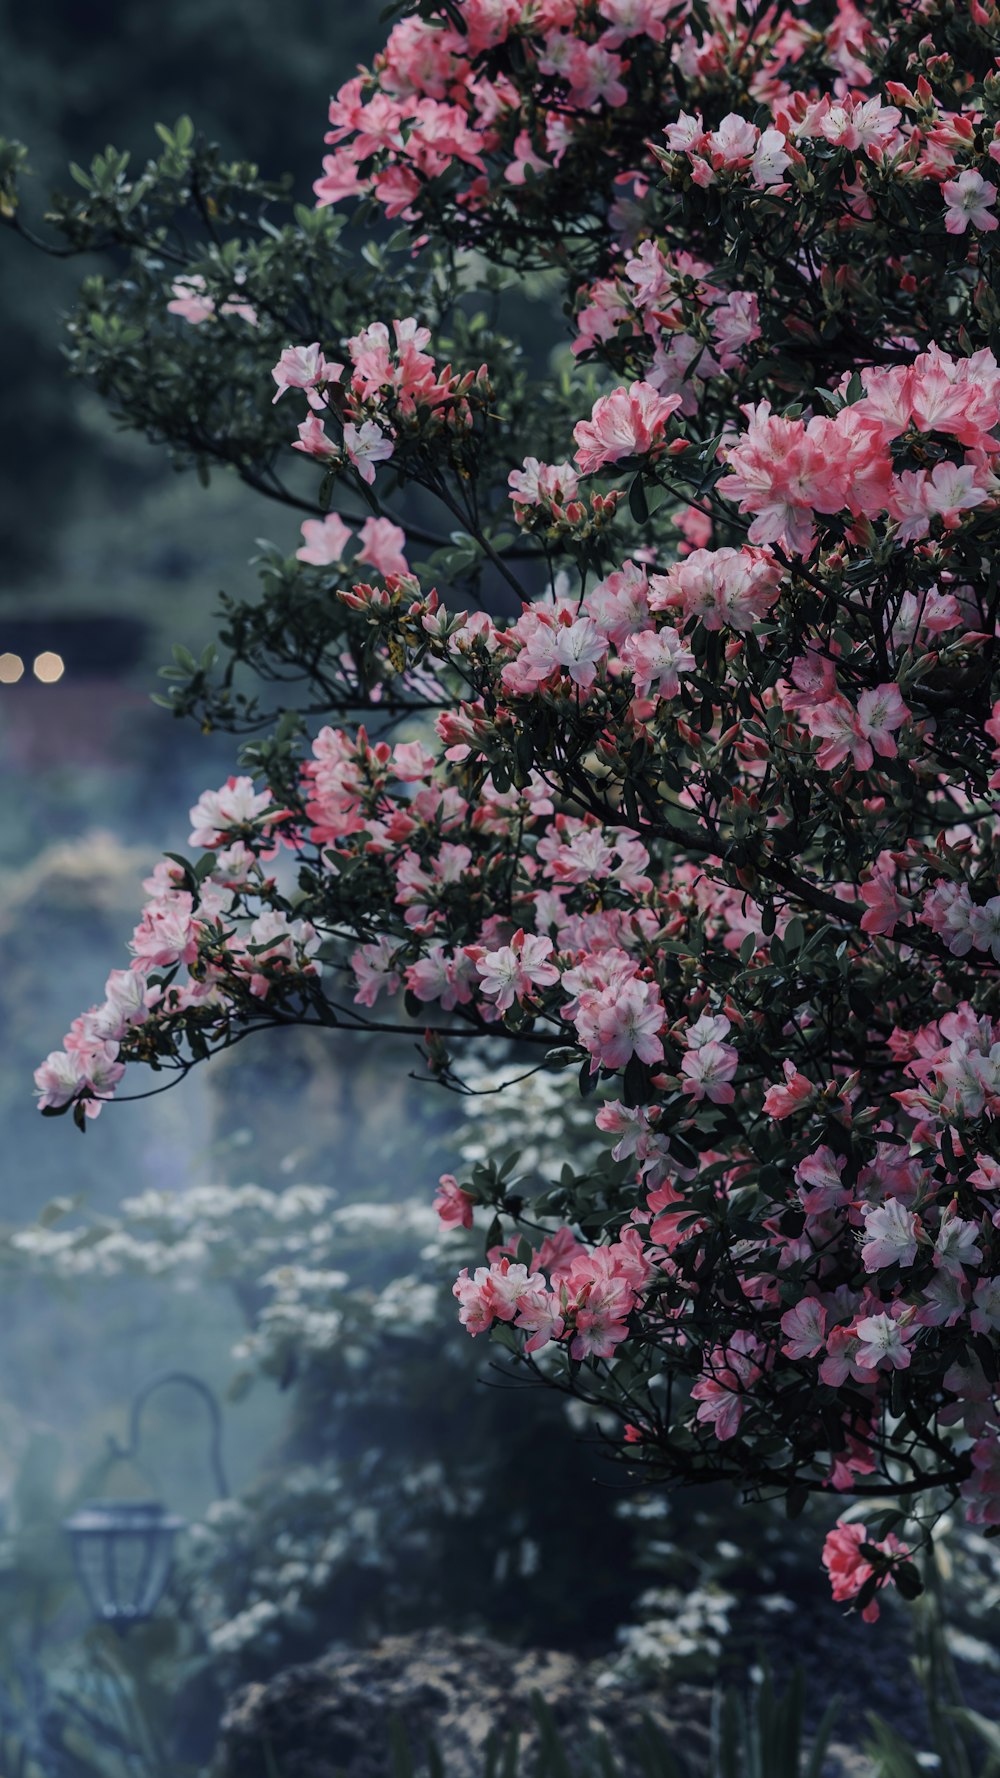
point(214, 1414)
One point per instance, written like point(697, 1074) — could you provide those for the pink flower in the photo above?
point(627, 423)
point(303, 367)
point(770, 159)
point(733, 143)
point(476, 1299)
point(969, 198)
point(192, 302)
point(166, 934)
point(849, 1569)
point(985, 1317)
point(709, 1070)
point(884, 1340)
point(126, 1003)
point(634, 18)
point(984, 924)
point(885, 907)
point(60, 1079)
point(313, 439)
point(325, 540)
point(986, 1177)
point(577, 648)
point(843, 1359)
point(957, 1243)
point(782, 1100)
point(805, 1326)
point(687, 134)
point(730, 1373)
point(453, 1205)
point(441, 976)
point(722, 588)
point(515, 970)
point(620, 1022)
point(657, 659)
point(572, 645)
point(982, 1490)
point(339, 178)
point(890, 1236)
point(411, 762)
point(784, 472)
point(536, 484)
point(217, 812)
point(92, 1070)
point(382, 544)
point(945, 493)
point(366, 445)
point(375, 970)
point(598, 1295)
point(539, 1315)
point(735, 324)
point(821, 1172)
point(516, 170)
point(838, 725)
point(494, 1292)
point(880, 712)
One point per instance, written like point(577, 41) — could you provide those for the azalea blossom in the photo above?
point(627, 423)
point(969, 199)
point(325, 540)
point(514, 971)
point(366, 445)
point(891, 1232)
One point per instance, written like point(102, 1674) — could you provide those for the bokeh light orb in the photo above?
point(48, 667)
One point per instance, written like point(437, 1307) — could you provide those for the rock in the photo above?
point(332, 1716)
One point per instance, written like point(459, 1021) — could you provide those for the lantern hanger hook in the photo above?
point(159, 1381)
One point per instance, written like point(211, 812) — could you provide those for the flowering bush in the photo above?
point(711, 817)
point(389, 1469)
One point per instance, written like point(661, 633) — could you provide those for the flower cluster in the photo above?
point(709, 813)
point(395, 390)
point(446, 126)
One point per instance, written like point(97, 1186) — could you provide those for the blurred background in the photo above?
point(267, 1227)
point(106, 558)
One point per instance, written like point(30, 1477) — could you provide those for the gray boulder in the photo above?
point(332, 1716)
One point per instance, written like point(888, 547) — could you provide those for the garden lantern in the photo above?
point(123, 1549)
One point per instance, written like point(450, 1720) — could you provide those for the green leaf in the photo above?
point(794, 935)
point(556, 1758)
point(908, 1581)
point(988, 1732)
point(638, 505)
point(561, 1058)
point(400, 1753)
point(636, 1082)
point(511, 1752)
point(893, 1756)
point(824, 1729)
point(56, 1209)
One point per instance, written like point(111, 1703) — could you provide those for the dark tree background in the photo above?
point(73, 78)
